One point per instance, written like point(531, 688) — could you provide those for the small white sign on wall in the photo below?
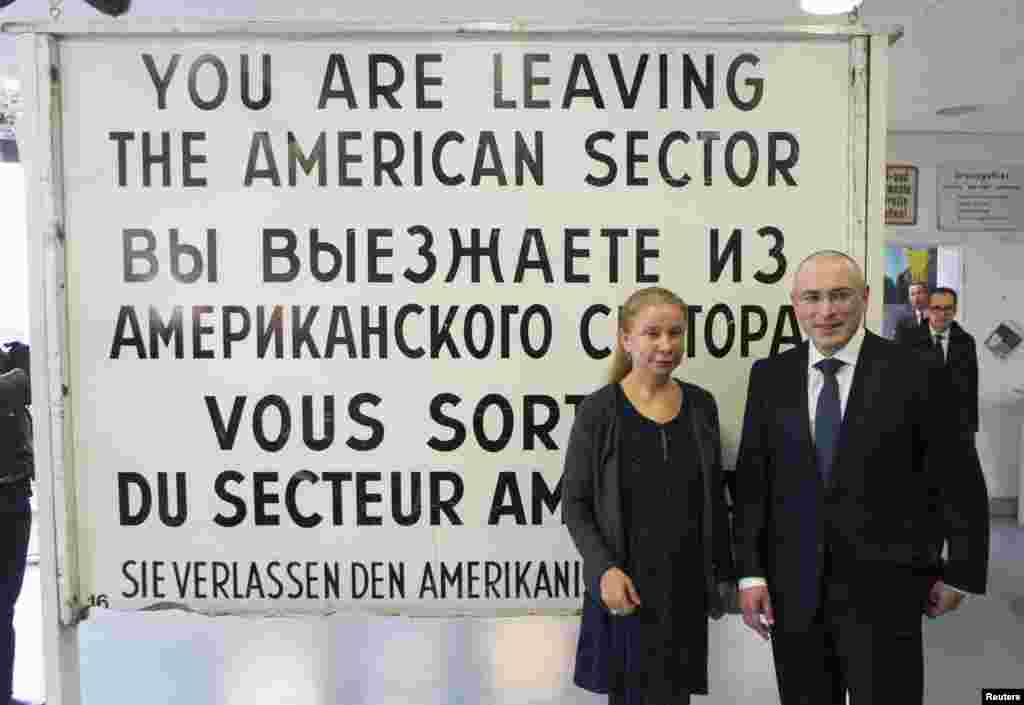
point(981, 196)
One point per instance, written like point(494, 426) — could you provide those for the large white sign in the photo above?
point(333, 302)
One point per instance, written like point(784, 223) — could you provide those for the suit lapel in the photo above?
point(866, 385)
point(924, 343)
point(956, 343)
point(798, 409)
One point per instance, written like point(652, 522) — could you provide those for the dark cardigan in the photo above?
point(591, 502)
point(592, 511)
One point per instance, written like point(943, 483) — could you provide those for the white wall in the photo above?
point(568, 11)
point(993, 289)
point(13, 262)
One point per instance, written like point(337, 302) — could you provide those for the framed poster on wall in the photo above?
point(900, 194)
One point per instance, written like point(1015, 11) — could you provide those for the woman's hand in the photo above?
point(618, 592)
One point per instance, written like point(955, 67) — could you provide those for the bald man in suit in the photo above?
point(848, 484)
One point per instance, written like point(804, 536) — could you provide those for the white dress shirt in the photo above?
point(945, 340)
point(844, 375)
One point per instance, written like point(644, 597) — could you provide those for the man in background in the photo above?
point(909, 325)
point(957, 353)
point(943, 341)
point(16, 472)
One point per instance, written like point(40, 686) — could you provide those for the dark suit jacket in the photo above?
point(961, 368)
point(907, 328)
point(16, 458)
point(591, 499)
point(897, 488)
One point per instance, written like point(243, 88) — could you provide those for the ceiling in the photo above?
point(952, 53)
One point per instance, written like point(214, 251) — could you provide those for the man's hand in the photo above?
point(942, 600)
point(618, 592)
point(756, 605)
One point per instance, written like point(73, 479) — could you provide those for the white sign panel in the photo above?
point(981, 196)
point(334, 301)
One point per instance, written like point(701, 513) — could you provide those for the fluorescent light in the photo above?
point(958, 110)
point(828, 7)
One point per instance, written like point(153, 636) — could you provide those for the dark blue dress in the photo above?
point(662, 647)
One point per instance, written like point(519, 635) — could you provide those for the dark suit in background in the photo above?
point(960, 364)
point(909, 328)
point(915, 313)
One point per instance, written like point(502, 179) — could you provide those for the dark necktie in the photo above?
point(938, 347)
point(827, 417)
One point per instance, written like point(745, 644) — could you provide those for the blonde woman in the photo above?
point(642, 498)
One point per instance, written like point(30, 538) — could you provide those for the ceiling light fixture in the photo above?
point(828, 7)
point(114, 8)
point(958, 110)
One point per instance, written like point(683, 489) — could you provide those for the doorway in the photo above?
point(935, 265)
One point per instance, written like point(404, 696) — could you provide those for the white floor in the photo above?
point(174, 658)
point(28, 643)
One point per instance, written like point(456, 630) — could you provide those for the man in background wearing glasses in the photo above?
point(953, 349)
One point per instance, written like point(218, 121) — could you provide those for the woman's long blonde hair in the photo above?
point(637, 302)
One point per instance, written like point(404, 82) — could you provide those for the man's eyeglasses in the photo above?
point(942, 309)
point(836, 297)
